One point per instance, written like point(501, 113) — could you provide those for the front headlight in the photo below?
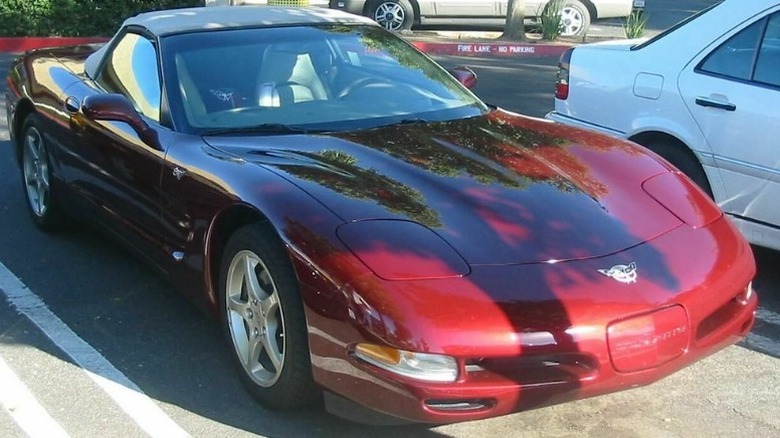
point(420, 366)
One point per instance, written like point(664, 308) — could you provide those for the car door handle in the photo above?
point(703, 101)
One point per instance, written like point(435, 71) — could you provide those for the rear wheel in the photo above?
point(575, 19)
point(393, 15)
point(684, 160)
point(263, 319)
point(42, 203)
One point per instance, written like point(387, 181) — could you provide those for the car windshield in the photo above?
point(305, 79)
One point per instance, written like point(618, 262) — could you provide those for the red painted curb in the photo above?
point(21, 44)
point(491, 49)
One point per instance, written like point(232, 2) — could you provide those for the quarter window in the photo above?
point(752, 55)
point(132, 70)
point(768, 63)
point(734, 58)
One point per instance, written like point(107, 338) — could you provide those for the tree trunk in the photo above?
point(514, 29)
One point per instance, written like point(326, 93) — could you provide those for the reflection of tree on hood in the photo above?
point(490, 150)
point(341, 174)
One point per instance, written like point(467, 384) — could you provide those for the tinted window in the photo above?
point(132, 70)
point(735, 57)
point(768, 63)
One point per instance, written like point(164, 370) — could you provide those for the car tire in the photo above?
point(263, 319)
point(394, 15)
point(37, 177)
point(684, 160)
point(575, 18)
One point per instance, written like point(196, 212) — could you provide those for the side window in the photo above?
point(768, 63)
point(734, 58)
point(132, 70)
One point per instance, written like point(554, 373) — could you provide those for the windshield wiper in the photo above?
point(413, 121)
point(265, 128)
point(409, 121)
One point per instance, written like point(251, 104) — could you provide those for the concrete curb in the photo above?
point(484, 48)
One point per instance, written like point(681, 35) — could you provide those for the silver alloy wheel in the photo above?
point(390, 15)
point(36, 172)
point(255, 319)
point(572, 21)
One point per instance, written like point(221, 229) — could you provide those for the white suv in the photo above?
point(705, 95)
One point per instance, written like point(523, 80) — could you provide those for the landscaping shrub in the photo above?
point(634, 25)
point(75, 17)
point(552, 22)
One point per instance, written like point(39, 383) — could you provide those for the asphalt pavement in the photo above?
point(93, 344)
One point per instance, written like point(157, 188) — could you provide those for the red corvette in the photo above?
point(365, 228)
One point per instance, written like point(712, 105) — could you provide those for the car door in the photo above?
point(467, 8)
point(118, 173)
point(732, 91)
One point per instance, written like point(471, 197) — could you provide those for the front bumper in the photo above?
point(557, 350)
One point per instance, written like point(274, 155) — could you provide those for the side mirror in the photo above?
point(117, 108)
point(465, 76)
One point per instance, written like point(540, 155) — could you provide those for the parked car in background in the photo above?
point(364, 228)
point(705, 95)
point(316, 3)
point(403, 14)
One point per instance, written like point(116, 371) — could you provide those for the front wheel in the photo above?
point(575, 19)
point(42, 203)
point(264, 321)
point(393, 15)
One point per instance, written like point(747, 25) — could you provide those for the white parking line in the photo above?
point(24, 408)
point(122, 390)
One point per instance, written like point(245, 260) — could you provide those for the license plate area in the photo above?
point(648, 341)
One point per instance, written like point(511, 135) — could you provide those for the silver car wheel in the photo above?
point(390, 15)
point(572, 21)
point(35, 168)
point(255, 318)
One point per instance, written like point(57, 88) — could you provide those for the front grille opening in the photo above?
point(718, 318)
point(535, 370)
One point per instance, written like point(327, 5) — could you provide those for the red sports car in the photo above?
point(365, 228)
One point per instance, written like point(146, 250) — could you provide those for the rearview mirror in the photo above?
point(116, 107)
point(465, 76)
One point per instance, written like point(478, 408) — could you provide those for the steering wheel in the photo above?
point(360, 84)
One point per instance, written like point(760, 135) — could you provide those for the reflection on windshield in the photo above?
point(324, 78)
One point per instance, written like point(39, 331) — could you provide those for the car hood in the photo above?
point(499, 188)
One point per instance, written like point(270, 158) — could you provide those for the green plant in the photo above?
point(634, 25)
point(552, 23)
point(75, 17)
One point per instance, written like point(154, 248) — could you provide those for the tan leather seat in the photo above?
point(194, 108)
point(288, 77)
